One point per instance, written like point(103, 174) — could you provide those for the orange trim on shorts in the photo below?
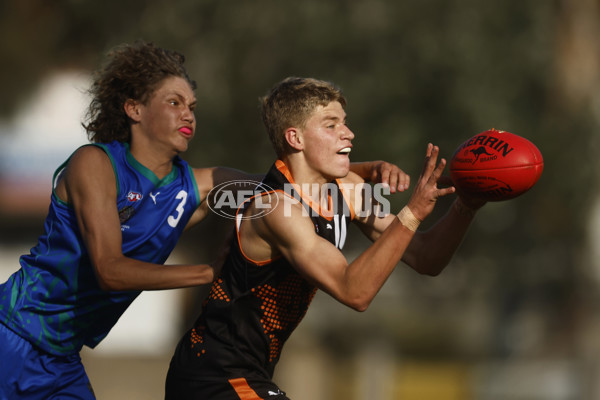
point(243, 390)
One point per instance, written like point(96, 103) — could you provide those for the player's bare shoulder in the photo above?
point(88, 155)
point(87, 164)
point(276, 211)
point(265, 223)
point(271, 205)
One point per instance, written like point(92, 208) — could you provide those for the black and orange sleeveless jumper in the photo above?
point(254, 306)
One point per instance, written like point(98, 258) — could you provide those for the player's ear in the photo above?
point(132, 109)
point(294, 138)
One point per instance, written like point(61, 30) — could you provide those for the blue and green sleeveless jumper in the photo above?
point(54, 300)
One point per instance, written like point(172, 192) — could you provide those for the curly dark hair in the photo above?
point(130, 72)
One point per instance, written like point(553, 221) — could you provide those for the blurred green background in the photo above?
point(516, 314)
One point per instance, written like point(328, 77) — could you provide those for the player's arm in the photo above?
point(371, 216)
point(88, 184)
point(382, 172)
point(290, 232)
point(323, 265)
point(430, 251)
point(208, 178)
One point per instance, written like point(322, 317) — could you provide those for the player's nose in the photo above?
point(347, 134)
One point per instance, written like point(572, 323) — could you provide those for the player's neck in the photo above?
point(156, 160)
point(302, 173)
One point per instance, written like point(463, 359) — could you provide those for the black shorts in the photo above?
point(182, 388)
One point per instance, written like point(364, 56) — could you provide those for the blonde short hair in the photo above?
point(291, 103)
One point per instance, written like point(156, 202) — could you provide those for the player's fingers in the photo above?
point(387, 178)
point(403, 182)
point(427, 162)
point(427, 155)
point(445, 191)
point(429, 149)
point(381, 177)
point(430, 165)
point(394, 179)
point(375, 175)
point(439, 169)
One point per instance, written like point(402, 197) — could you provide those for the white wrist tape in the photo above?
point(408, 219)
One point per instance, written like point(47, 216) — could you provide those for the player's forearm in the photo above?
point(129, 274)
point(445, 237)
point(368, 272)
point(364, 169)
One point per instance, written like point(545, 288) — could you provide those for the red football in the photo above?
point(496, 165)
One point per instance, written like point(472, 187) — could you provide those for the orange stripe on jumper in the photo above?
point(325, 213)
point(243, 390)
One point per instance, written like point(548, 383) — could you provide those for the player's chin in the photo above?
point(342, 169)
point(182, 145)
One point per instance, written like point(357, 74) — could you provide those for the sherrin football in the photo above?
point(496, 165)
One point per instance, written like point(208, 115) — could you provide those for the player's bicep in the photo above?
point(91, 190)
point(315, 258)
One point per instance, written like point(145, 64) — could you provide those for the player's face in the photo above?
point(168, 117)
point(328, 141)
